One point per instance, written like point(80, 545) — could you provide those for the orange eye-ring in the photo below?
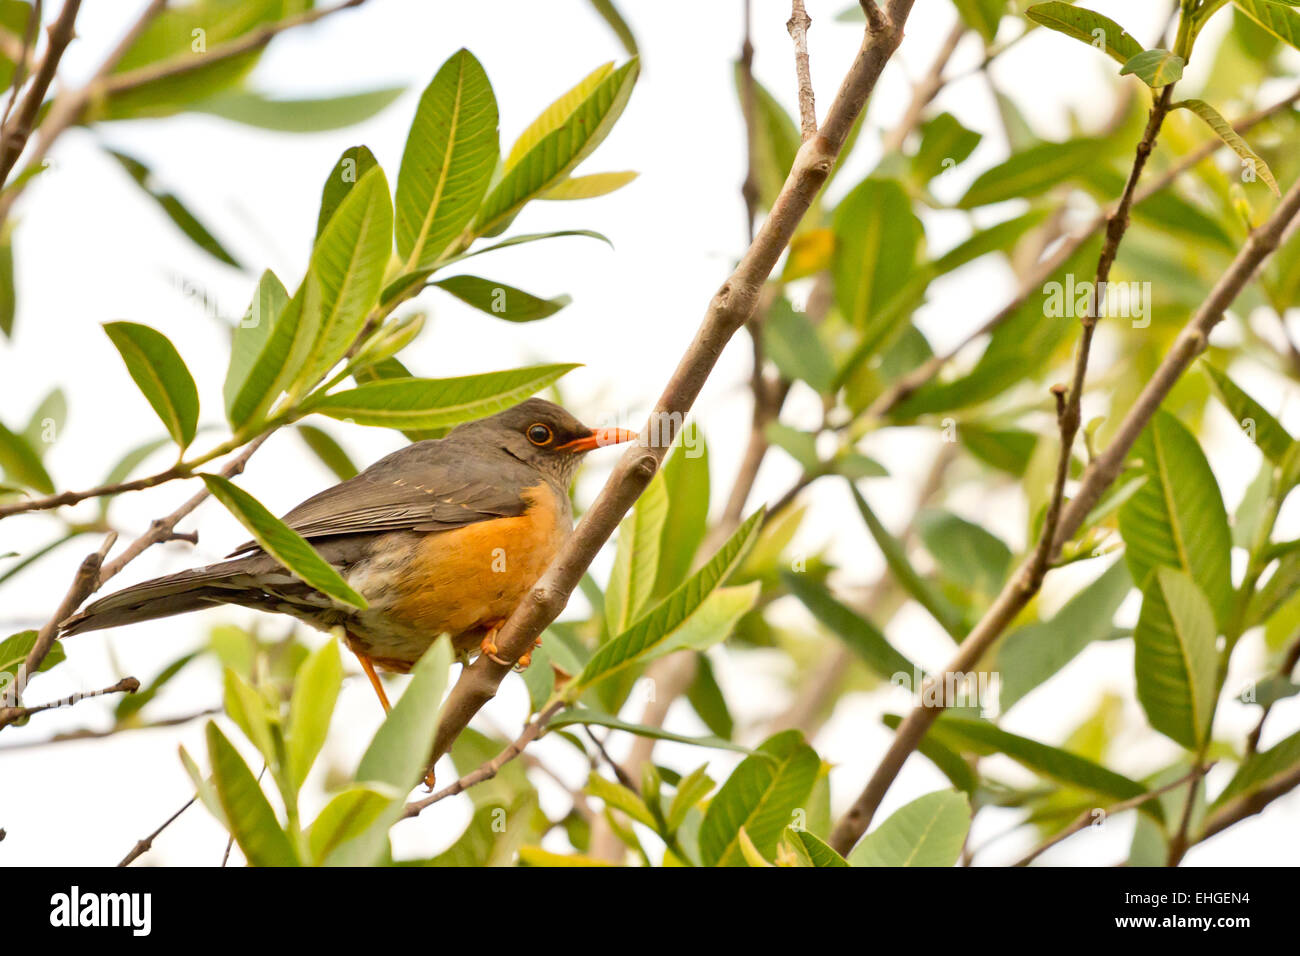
point(539, 434)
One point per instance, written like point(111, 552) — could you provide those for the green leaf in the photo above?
point(1175, 658)
point(329, 451)
point(981, 736)
point(399, 753)
point(1031, 172)
point(1083, 24)
point(161, 375)
point(450, 154)
point(348, 814)
point(501, 300)
point(133, 703)
point(588, 187)
point(436, 402)
point(691, 789)
point(655, 627)
point(878, 238)
point(929, 831)
point(175, 210)
point(281, 542)
point(252, 821)
point(563, 136)
point(313, 115)
point(686, 478)
point(982, 15)
point(1265, 430)
point(949, 762)
point(1261, 769)
point(891, 549)
point(315, 689)
point(791, 341)
point(636, 558)
point(1176, 519)
point(21, 464)
point(588, 716)
point(945, 143)
point(254, 364)
point(348, 261)
point(761, 795)
point(1007, 449)
point(204, 788)
point(775, 139)
point(170, 40)
point(1155, 68)
point(1223, 129)
point(355, 162)
point(47, 421)
point(860, 635)
point(1279, 19)
point(619, 797)
point(968, 555)
point(250, 712)
point(819, 853)
point(1031, 654)
point(8, 287)
point(14, 650)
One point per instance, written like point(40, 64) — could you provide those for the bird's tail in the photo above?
point(230, 582)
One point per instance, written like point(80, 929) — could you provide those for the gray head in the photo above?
point(543, 435)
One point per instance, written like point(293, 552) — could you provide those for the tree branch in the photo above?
point(1085, 819)
point(127, 685)
point(905, 386)
point(13, 138)
point(798, 25)
point(487, 771)
point(144, 846)
point(67, 110)
point(21, 57)
point(1099, 475)
point(727, 312)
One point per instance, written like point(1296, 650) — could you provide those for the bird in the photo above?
point(444, 536)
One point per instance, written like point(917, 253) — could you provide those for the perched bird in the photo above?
point(441, 537)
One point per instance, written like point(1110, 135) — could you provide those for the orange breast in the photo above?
point(459, 581)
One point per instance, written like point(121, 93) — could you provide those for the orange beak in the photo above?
point(599, 438)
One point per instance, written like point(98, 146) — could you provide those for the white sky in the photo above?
point(91, 250)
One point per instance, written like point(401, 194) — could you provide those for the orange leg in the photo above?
point(369, 668)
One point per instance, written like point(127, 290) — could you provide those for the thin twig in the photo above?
point(22, 61)
point(163, 529)
point(798, 25)
point(1085, 819)
point(487, 771)
point(127, 685)
point(14, 137)
point(905, 386)
point(83, 585)
point(67, 110)
point(623, 776)
point(1289, 661)
point(925, 90)
point(729, 309)
point(144, 846)
point(1100, 474)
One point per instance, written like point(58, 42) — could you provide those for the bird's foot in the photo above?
point(429, 779)
point(489, 648)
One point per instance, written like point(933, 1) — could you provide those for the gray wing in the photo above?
point(429, 486)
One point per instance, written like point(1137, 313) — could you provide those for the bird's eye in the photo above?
point(539, 434)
